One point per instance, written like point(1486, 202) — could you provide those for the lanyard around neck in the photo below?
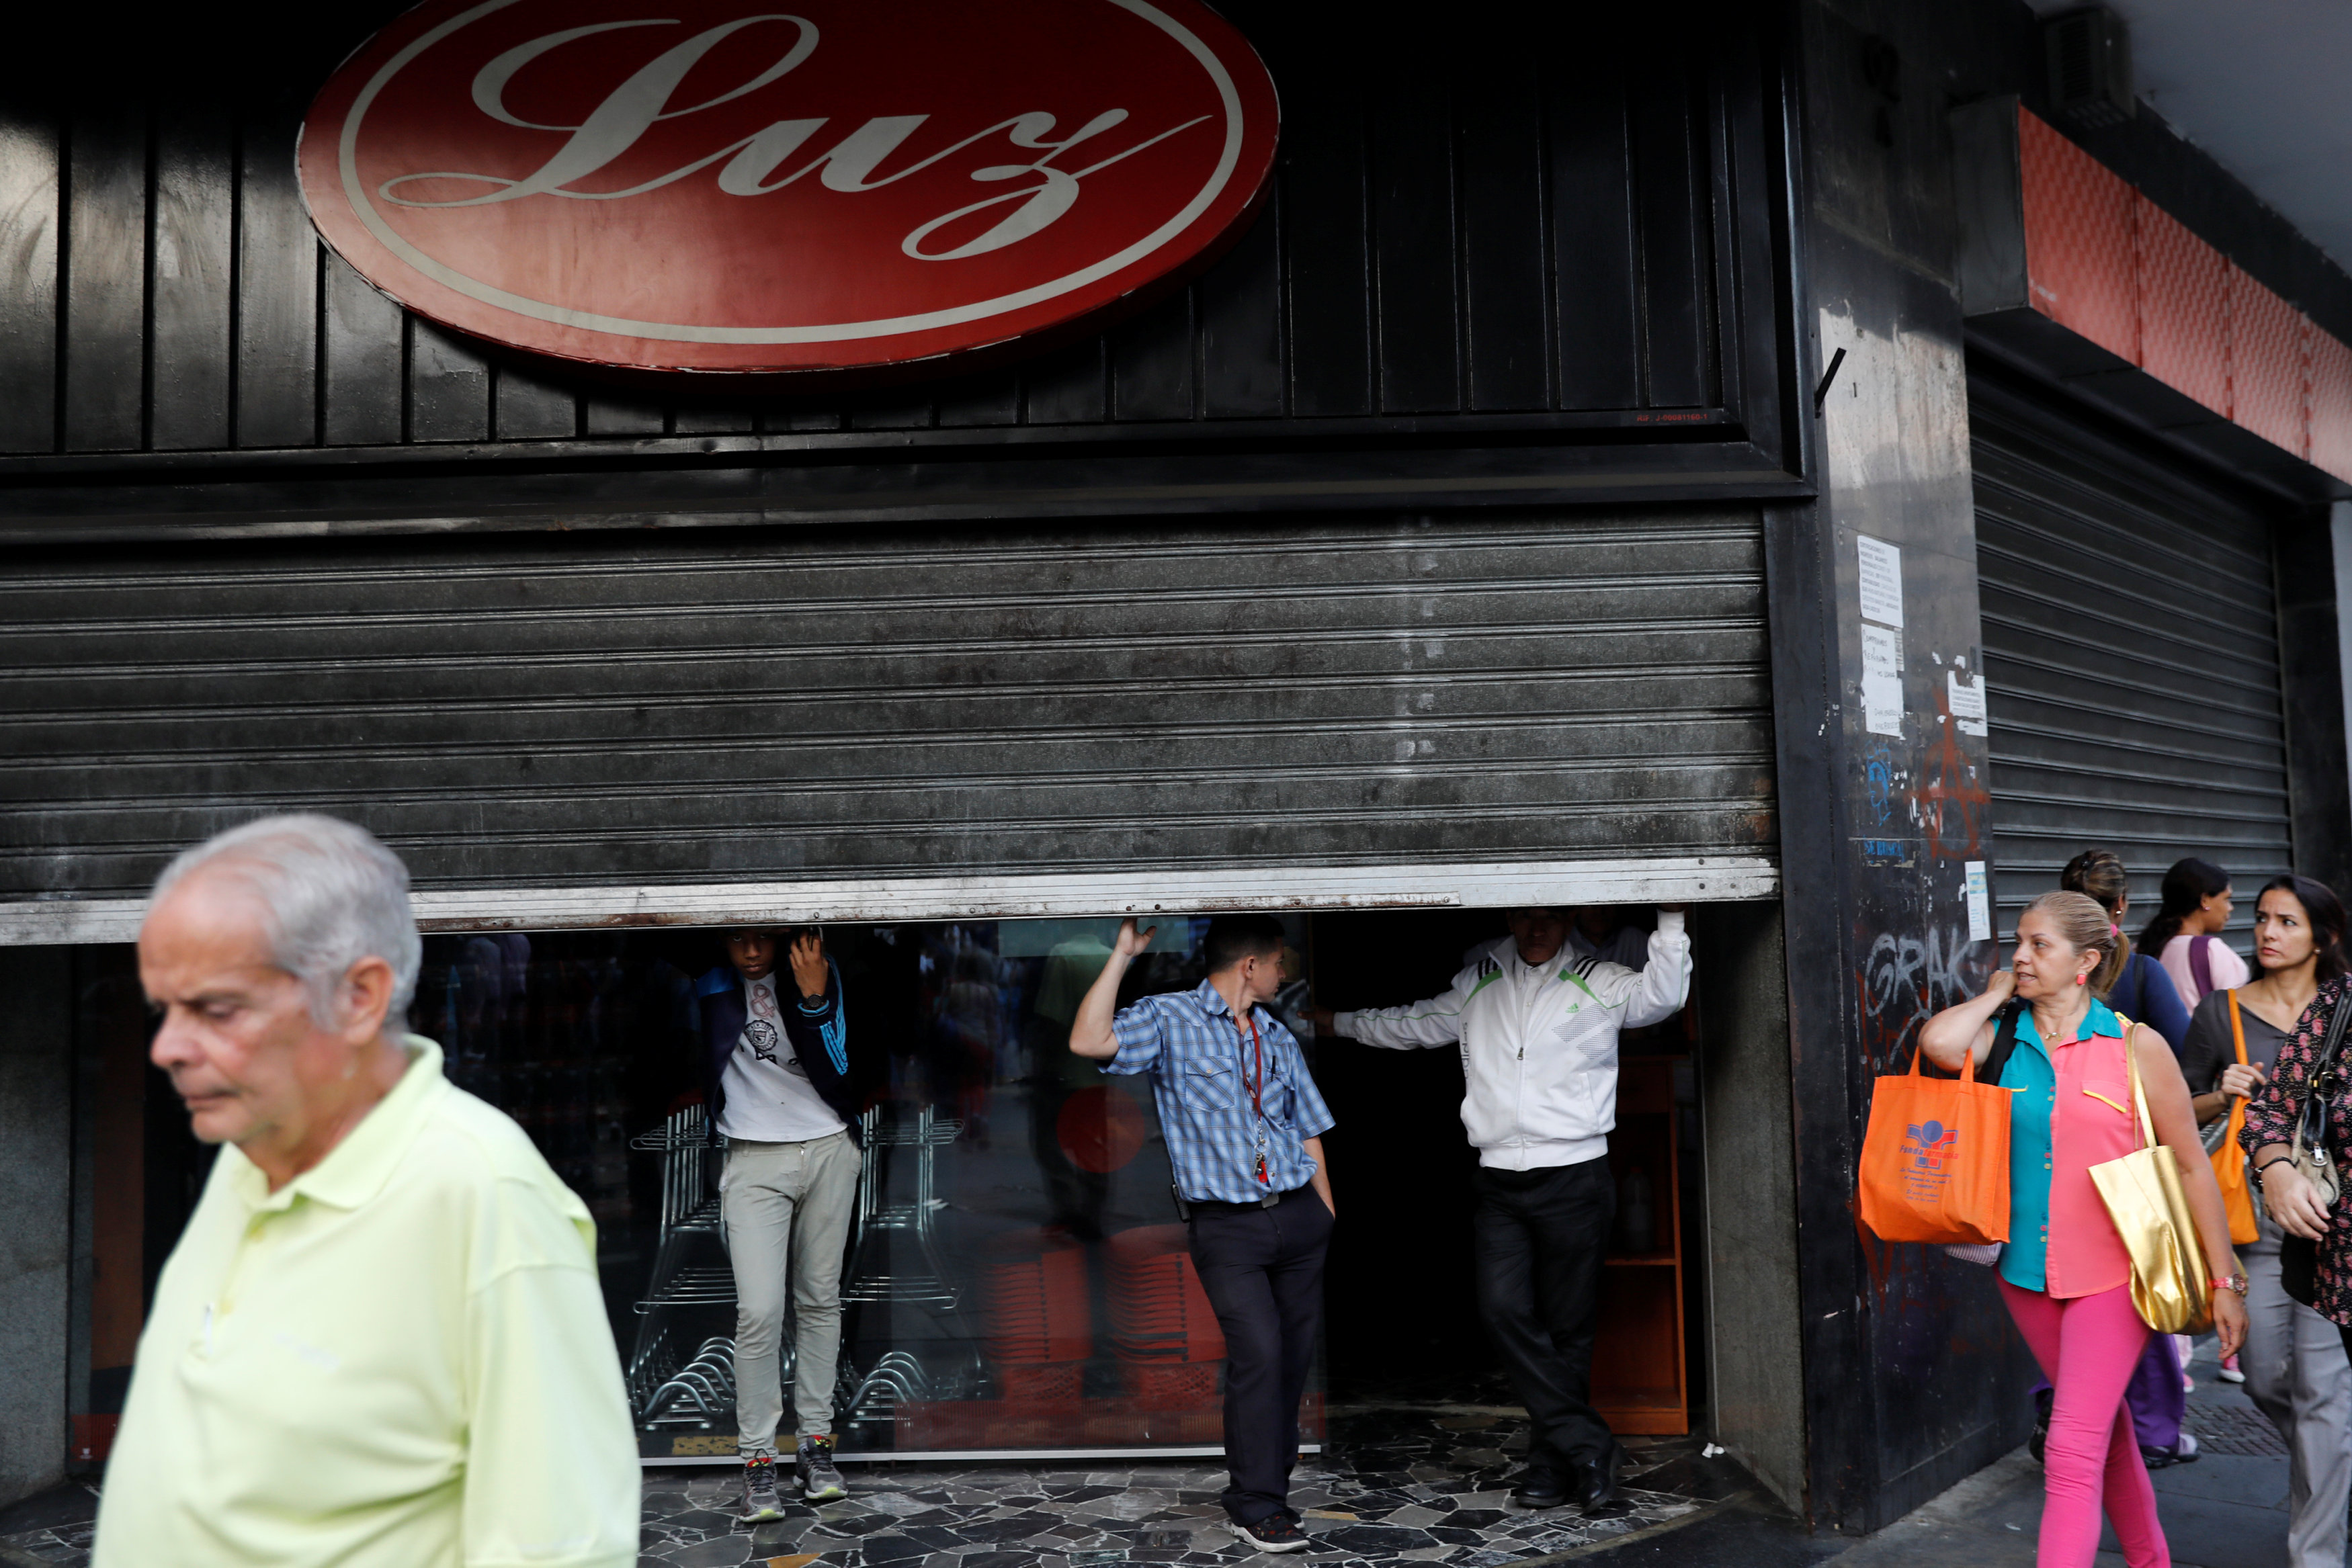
point(1256, 1088)
point(1257, 1045)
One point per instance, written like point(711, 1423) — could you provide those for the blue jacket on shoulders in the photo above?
point(818, 1030)
point(2145, 994)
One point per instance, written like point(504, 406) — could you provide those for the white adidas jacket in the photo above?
point(1538, 1048)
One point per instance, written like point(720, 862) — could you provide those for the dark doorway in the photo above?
point(1402, 1323)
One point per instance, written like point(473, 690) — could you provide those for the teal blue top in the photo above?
point(2033, 1078)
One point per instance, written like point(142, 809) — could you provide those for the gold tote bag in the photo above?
point(2146, 1198)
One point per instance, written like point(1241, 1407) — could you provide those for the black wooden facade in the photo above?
point(1526, 261)
point(1516, 290)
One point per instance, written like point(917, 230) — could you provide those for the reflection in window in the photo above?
point(1016, 1277)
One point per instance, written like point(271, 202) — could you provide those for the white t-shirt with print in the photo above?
point(769, 1099)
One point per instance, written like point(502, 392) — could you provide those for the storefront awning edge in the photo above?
point(1141, 892)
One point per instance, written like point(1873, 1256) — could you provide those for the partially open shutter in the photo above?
point(744, 708)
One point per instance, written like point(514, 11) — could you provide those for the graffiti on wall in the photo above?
point(1951, 801)
point(1905, 981)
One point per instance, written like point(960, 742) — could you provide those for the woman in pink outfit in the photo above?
point(2040, 1031)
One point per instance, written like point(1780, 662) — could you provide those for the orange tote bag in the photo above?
point(2229, 1159)
point(1935, 1162)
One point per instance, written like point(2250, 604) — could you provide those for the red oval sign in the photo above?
point(719, 185)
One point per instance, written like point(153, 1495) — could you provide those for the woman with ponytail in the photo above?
point(2185, 936)
point(2130, 981)
point(2064, 1273)
point(2137, 987)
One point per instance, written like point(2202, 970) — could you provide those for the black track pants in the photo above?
point(1541, 1235)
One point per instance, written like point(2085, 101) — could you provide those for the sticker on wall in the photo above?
point(1979, 897)
point(1881, 681)
point(1966, 694)
point(844, 186)
point(1880, 574)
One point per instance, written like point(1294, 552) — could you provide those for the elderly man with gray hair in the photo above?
point(380, 1341)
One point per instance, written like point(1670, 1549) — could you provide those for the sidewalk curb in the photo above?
point(1647, 1533)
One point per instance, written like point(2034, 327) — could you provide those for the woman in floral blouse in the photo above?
point(2290, 1200)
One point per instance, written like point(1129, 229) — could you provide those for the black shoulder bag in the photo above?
point(2004, 1046)
point(2004, 1042)
point(2299, 1259)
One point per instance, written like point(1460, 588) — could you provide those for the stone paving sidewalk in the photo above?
point(2226, 1511)
point(1415, 1488)
point(1402, 1487)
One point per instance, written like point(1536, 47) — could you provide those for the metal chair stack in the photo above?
point(667, 1388)
point(880, 1269)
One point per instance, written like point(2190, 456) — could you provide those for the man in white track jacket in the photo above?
point(1538, 1027)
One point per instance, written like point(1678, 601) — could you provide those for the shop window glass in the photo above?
point(1016, 1276)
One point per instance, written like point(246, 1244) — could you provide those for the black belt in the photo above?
point(1219, 1205)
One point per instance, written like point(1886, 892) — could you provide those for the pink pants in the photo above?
point(2088, 1346)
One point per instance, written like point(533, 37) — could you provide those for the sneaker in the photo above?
point(1275, 1533)
point(760, 1498)
point(820, 1480)
point(2230, 1372)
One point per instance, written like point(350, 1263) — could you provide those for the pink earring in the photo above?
point(2082, 980)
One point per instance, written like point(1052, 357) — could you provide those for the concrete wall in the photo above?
point(1911, 1369)
point(1755, 1360)
point(36, 1215)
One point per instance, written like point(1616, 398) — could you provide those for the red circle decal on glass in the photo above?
point(1101, 1129)
point(718, 185)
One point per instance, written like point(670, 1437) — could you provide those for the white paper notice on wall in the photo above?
point(1980, 901)
point(1967, 693)
point(1881, 577)
point(1881, 681)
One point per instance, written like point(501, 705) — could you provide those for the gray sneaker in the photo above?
point(820, 1480)
point(759, 1498)
point(1275, 1533)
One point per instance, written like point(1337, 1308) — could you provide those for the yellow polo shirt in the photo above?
point(398, 1360)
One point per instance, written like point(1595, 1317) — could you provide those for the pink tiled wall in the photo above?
point(2266, 364)
point(2330, 385)
point(2184, 306)
point(2078, 240)
point(2104, 261)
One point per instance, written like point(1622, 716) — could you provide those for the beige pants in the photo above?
point(783, 1212)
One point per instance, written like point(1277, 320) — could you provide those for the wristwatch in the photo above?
point(2236, 1281)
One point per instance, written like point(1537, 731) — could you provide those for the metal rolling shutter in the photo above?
point(591, 709)
point(2131, 642)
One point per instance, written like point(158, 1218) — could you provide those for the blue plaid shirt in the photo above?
point(1202, 1066)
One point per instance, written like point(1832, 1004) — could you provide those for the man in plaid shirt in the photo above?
point(1245, 1127)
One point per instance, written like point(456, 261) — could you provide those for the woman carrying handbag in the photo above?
point(2068, 1276)
point(2295, 1361)
point(2294, 1144)
point(2135, 986)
